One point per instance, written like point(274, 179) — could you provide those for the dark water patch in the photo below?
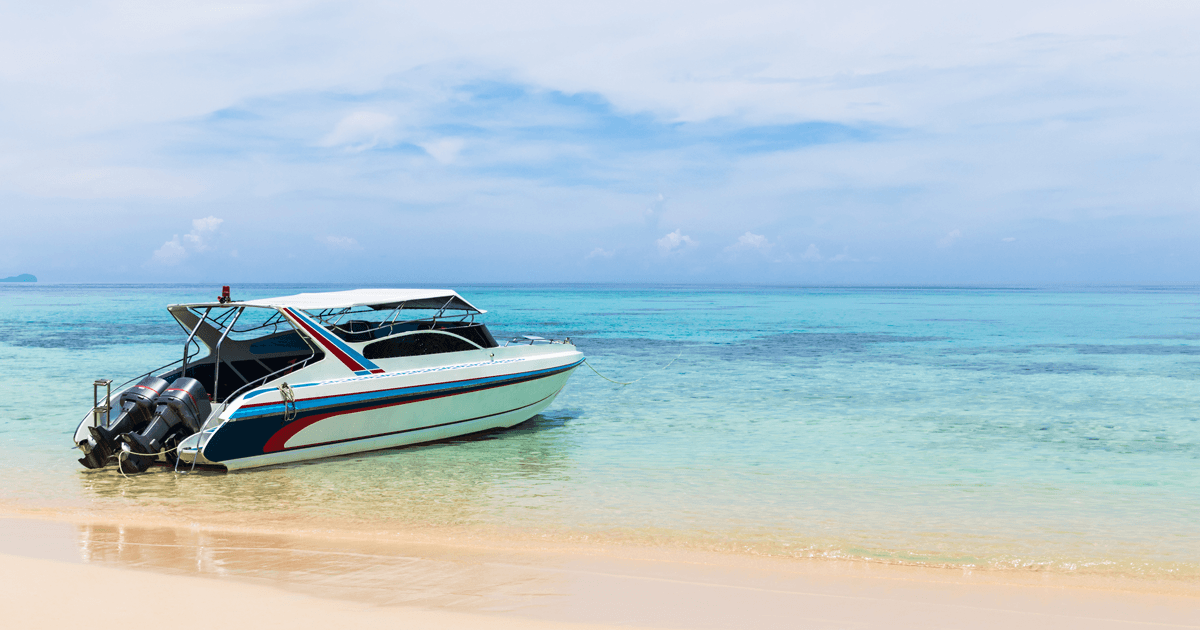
point(578, 332)
point(955, 359)
point(641, 312)
point(1155, 446)
point(997, 367)
point(83, 335)
point(975, 321)
point(714, 307)
point(817, 345)
point(1142, 349)
point(978, 350)
point(506, 334)
point(632, 346)
point(1054, 367)
point(1065, 368)
point(1174, 337)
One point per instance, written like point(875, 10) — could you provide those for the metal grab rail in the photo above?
point(187, 344)
point(272, 322)
point(139, 377)
point(534, 339)
point(263, 380)
point(391, 324)
point(217, 355)
point(332, 318)
point(288, 369)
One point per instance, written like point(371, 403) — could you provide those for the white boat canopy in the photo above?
point(378, 299)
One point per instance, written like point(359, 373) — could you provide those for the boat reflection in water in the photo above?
point(382, 573)
point(472, 480)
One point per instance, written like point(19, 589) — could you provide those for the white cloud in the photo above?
point(674, 241)
point(1008, 239)
point(600, 252)
point(950, 239)
point(752, 242)
point(197, 239)
point(176, 250)
point(813, 254)
point(444, 150)
point(170, 254)
point(343, 243)
point(360, 131)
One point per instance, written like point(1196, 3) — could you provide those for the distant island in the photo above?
point(25, 277)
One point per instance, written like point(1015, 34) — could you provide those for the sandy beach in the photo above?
point(272, 579)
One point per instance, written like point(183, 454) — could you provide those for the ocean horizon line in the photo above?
point(962, 286)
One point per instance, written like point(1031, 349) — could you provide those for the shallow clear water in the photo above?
point(1054, 429)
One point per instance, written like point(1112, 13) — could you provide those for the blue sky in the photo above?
point(789, 142)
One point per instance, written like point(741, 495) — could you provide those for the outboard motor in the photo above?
point(137, 408)
point(178, 412)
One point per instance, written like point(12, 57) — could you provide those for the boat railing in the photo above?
point(534, 339)
point(262, 380)
point(119, 388)
point(333, 321)
point(107, 407)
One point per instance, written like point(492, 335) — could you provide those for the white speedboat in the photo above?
point(316, 375)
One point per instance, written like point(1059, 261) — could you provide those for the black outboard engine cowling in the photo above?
point(178, 412)
point(137, 408)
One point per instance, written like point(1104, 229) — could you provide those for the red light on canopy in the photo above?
point(224, 299)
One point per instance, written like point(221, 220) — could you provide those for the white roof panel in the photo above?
point(374, 298)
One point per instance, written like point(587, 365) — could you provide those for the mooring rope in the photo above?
point(289, 398)
point(122, 453)
point(637, 379)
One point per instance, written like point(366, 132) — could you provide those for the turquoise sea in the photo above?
point(1047, 428)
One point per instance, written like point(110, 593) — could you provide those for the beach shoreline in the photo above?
point(272, 525)
point(892, 427)
point(479, 582)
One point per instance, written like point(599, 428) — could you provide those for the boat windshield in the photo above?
point(233, 348)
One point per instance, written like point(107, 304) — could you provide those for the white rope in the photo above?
point(289, 398)
point(122, 453)
point(637, 379)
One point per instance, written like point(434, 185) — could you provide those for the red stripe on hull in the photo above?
point(332, 348)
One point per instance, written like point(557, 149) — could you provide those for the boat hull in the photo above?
point(382, 411)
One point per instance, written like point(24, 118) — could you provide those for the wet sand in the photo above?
point(35, 595)
point(274, 579)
